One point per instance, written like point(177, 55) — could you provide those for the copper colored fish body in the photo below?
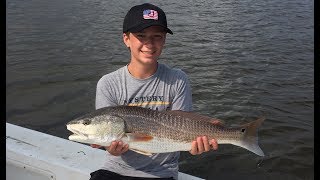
point(150, 131)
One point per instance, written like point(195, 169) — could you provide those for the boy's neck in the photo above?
point(142, 71)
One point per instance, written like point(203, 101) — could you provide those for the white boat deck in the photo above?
point(32, 155)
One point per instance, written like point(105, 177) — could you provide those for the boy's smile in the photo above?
point(145, 46)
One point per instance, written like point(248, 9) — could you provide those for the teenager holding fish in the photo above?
point(146, 83)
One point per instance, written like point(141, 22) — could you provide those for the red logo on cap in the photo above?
point(150, 14)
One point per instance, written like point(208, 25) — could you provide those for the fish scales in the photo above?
point(164, 125)
point(152, 131)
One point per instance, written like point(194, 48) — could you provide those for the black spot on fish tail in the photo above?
point(250, 137)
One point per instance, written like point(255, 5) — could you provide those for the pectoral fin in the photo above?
point(138, 137)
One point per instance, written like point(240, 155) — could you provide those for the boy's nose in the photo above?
point(149, 40)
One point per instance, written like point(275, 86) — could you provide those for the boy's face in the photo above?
point(146, 46)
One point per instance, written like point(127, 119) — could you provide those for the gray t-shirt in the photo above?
point(167, 89)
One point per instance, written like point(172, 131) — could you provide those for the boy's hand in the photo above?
point(201, 144)
point(116, 148)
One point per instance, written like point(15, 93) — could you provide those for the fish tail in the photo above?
point(250, 138)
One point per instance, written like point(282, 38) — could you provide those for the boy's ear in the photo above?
point(126, 39)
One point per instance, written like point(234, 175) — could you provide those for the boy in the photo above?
point(145, 82)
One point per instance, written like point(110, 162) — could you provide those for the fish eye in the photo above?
point(243, 130)
point(86, 122)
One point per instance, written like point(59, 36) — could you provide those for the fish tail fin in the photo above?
point(250, 138)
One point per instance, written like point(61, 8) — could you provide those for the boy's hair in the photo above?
point(127, 34)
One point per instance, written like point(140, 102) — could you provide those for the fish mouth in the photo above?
point(76, 133)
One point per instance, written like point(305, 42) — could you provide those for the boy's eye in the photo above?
point(141, 35)
point(158, 36)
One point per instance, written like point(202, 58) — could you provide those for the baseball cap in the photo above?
point(143, 16)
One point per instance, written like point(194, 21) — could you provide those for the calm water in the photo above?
point(245, 59)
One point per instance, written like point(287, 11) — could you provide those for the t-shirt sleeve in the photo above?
point(183, 96)
point(104, 93)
